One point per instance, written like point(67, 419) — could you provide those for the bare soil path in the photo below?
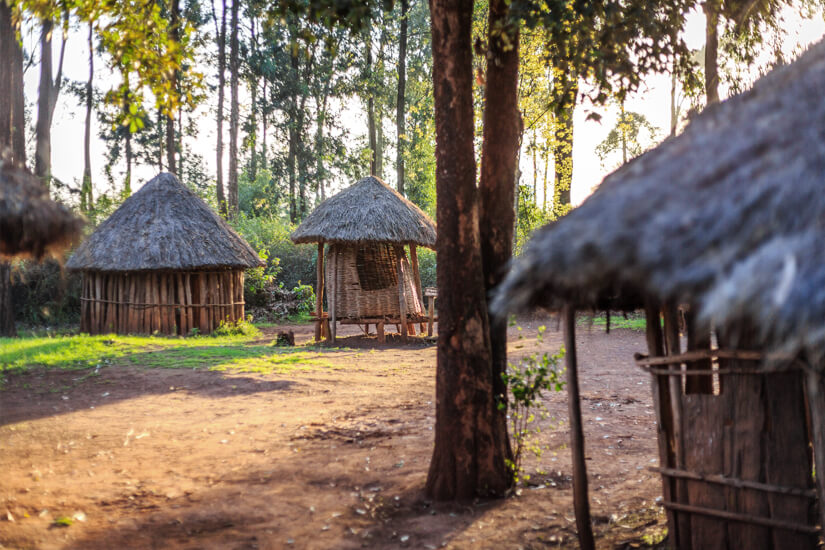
point(331, 454)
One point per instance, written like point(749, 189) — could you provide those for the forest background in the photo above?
point(303, 110)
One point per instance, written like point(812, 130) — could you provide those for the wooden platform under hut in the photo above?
point(164, 262)
point(364, 271)
point(725, 224)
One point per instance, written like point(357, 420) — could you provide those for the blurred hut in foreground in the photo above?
point(726, 221)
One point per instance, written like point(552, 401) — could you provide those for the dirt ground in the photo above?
point(334, 456)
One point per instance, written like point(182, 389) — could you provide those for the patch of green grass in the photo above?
point(223, 353)
point(634, 321)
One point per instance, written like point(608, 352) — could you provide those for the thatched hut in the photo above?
point(31, 224)
point(368, 277)
point(726, 220)
point(163, 262)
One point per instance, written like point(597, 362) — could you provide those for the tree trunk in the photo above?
point(711, 9)
point(320, 122)
point(499, 154)
point(470, 449)
point(371, 105)
point(400, 106)
point(11, 86)
point(253, 113)
point(564, 96)
point(264, 161)
point(18, 102)
point(232, 198)
point(220, 36)
point(7, 328)
point(174, 23)
point(87, 199)
point(46, 102)
point(7, 44)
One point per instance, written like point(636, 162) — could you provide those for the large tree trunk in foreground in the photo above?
point(400, 106)
point(499, 154)
point(7, 43)
point(470, 449)
point(232, 195)
point(711, 9)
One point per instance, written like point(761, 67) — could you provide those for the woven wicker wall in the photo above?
point(160, 302)
point(376, 263)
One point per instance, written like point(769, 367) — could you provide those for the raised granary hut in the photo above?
point(164, 262)
point(31, 224)
point(727, 223)
point(368, 278)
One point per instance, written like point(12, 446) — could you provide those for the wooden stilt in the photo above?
point(319, 293)
point(379, 329)
point(417, 277)
point(402, 293)
point(430, 315)
point(581, 501)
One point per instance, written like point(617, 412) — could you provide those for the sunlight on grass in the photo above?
point(226, 353)
point(634, 321)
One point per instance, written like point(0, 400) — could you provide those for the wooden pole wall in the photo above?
point(581, 501)
point(160, 302)
point(815, 389)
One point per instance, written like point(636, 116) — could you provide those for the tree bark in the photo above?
point(232, 198)
point(253, 113)
point(86, 193)
point(18, 102)
point(470, 450)
point(564, 96)
point(7, 44)
point(46, 102)
point(711, 9)
point(499, 154)
point(400, 105)
point(220, 36)
point(171, 149)
point(7, 327)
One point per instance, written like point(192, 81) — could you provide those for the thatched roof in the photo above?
point(164, 226)
point(31, 224)
point(368, 211)
point(729, 217)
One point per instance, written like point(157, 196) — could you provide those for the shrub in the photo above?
point(241, 327)
point(45, 294)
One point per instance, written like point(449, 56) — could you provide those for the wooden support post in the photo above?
point(416, 276)
point(671, 318)
point(332, 295)
point(402, 291)
point(661, 404)
point(581, 500)
point(319, 293)
point(430, 314)
point(379, 329)
point(815, 389)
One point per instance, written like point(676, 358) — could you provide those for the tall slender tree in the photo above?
point(234, 67)
point(401, 106)
point(175, 35)
point(86, 190)
point(48, 93)
point(220, 38)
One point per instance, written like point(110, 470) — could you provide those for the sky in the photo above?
point(653, 101)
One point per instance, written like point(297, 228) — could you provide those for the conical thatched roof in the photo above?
point(164, 226)
point(31, 224)
point(368, 211)
point(729, 217)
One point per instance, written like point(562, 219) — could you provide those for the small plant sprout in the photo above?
point(526, 381)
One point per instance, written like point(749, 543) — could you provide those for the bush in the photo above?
point(288, 264)
point(426, 266)
point(45, 294)
point(241, 327)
